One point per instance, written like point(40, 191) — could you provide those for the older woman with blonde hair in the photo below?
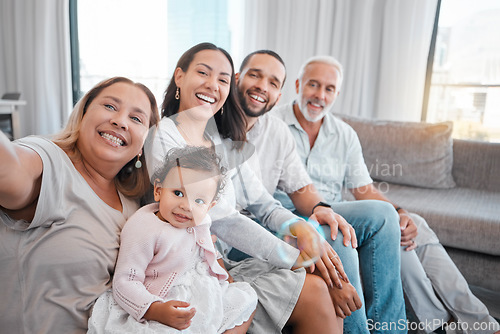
point(63, 202)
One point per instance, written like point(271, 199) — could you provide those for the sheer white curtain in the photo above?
point(383, 45)
point(35, 60)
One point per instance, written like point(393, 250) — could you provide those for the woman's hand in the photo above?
point(330, 267)
point(173, 313)
point(313, 247)
point(309, 242)
point(230, 278)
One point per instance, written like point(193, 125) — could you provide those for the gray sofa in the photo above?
point(454, 184)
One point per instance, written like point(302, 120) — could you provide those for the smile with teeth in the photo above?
point(315, 105)
point(205, 98)
point(257, 98)
point(112, 138)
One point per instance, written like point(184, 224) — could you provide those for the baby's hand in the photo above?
point(173, 313)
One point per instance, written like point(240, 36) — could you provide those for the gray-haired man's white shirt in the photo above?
point(336, 159)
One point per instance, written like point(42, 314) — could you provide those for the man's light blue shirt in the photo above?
point(335, 161)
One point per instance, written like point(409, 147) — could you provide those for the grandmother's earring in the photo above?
point(177, 95)
point(138, 163)
point(222, 110)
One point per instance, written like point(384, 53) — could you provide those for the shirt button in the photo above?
point(189, 230)
point(201, 241)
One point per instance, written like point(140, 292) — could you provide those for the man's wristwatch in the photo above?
point(321, 204)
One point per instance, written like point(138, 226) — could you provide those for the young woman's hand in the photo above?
point(309, 242)
point(230, 278)
point(173, 313)
point(330, 267)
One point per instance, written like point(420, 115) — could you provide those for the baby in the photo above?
point(168, 275)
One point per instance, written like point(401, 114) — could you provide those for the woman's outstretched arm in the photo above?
point(20, 175)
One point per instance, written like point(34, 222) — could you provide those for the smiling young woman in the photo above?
point(198, 91)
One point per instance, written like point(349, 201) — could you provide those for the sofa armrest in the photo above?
point(476, 164)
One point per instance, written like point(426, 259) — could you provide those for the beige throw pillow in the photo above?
point(411, 153)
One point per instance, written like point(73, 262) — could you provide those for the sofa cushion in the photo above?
point(410, 153)
point(461, 217)
point(476, 164)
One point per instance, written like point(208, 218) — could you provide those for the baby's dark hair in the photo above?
point(193, 157)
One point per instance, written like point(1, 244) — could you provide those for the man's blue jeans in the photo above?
point(377, 229)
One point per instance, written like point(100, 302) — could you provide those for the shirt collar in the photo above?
point(290, 119)
point(289, 116)
point(329, 123)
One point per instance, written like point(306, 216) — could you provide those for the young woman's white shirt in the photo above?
point(242, 188)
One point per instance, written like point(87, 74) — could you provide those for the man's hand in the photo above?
point(173, 313)
point(345, 300)
point(408, 230)
point(326, 216)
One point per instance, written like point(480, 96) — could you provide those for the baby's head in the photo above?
point(187, 185)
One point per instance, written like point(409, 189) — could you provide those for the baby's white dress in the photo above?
point(219, 305)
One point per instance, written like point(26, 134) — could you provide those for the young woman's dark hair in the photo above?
point(231, 123)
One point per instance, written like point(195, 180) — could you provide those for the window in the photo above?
point(143, 40)
point(465, 85)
